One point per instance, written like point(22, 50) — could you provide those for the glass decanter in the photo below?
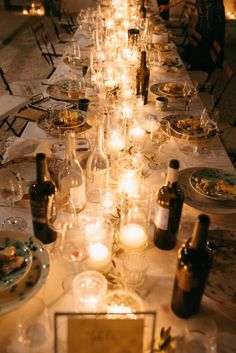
point(71, 177)
point(97, 170)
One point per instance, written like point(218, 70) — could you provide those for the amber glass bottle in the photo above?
point(168, 210)
point(193, 265)
point(142, 78)
point(40, 193)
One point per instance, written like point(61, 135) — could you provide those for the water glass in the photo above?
point(135, 265)
point(200, 335)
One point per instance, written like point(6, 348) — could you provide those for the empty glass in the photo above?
point(135, 266)
point(12, 190)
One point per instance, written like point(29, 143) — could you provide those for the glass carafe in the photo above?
point(71, 178)
point(97, 170)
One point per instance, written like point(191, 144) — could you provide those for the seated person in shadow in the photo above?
point(211, 26)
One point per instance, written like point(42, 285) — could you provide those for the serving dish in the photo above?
point(34, 280)
point(21, 250)
point(214, 183)
point(71, 119)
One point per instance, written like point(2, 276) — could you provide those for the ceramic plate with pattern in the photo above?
point(15, 276)
point(70, 119)
point(27, 168)
point(198, 202)
point(221, 285)
point(34, 280)
point(59, 91)
point(163, 47)
point(189, 126)
point(214, 183)
point(168, 89)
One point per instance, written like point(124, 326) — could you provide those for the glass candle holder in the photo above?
point(98, 233)
point(123, 302)
point(129, 171)
point(89, 290)
point(135, 220)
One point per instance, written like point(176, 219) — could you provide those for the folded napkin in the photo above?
point(27, 148)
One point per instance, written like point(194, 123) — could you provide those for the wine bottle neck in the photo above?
point(200, 232)
point(41, 170)
point(172, 177)
point(143, 59)
point(70, 147)
point(99, 141)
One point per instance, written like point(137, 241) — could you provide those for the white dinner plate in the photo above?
point(28, 287)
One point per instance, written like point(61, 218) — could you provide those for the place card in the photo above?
point(104, 335)
point(104, 332)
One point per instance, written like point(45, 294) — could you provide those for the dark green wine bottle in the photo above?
point(143, 10)
point(193, 266)
point(168, 210)
point(142, 78)
point(40, 193)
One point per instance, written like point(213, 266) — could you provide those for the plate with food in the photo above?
point(76, 63)
point(59, 91)
point(169, 62)
point(168, 89)
point(68, 119)
point(26, 166)
point(214, 183)
point(32, 282)
point(15, 262)
point(164, 47)
point(190, 127)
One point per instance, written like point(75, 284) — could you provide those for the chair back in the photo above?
point(4, 80)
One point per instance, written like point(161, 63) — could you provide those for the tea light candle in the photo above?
point(89, 289)
point(99, 256)
point(116, 143)
point(136, 133)
point(128, 183)
point(133, 236)
point(140, 101)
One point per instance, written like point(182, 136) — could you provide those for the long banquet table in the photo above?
point(157, 288)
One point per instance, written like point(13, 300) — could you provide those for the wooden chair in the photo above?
point(212, 99)
point(48, 49)
point(61, 36)
point(26, 88)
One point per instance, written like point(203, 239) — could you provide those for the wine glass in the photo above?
point(190, 90)
point(159, 136)
point(61, 215)
point(12, 190)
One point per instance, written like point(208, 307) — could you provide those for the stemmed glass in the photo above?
point(190, 90)
point(61, 215)
point(12, 190)
point(159, 136)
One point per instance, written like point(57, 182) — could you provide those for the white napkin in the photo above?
point(27, 148)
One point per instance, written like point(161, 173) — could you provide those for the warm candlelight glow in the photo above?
point(128, 183)
point(116, 142)
point(99, 256)
point(136, 133)
point(133, 236)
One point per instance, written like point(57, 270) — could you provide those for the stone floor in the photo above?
point(20, 60)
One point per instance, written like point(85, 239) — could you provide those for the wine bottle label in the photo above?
point(161, 217)
point(78, 196)
point(39, 211)
point(186, 279)
point(172, 175)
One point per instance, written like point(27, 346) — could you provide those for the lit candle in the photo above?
point(99, 257)
point(89, 289)
point(116, 143)
point(140, 101)
point(136, 133)
point(128, 183)
point(133, 236)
